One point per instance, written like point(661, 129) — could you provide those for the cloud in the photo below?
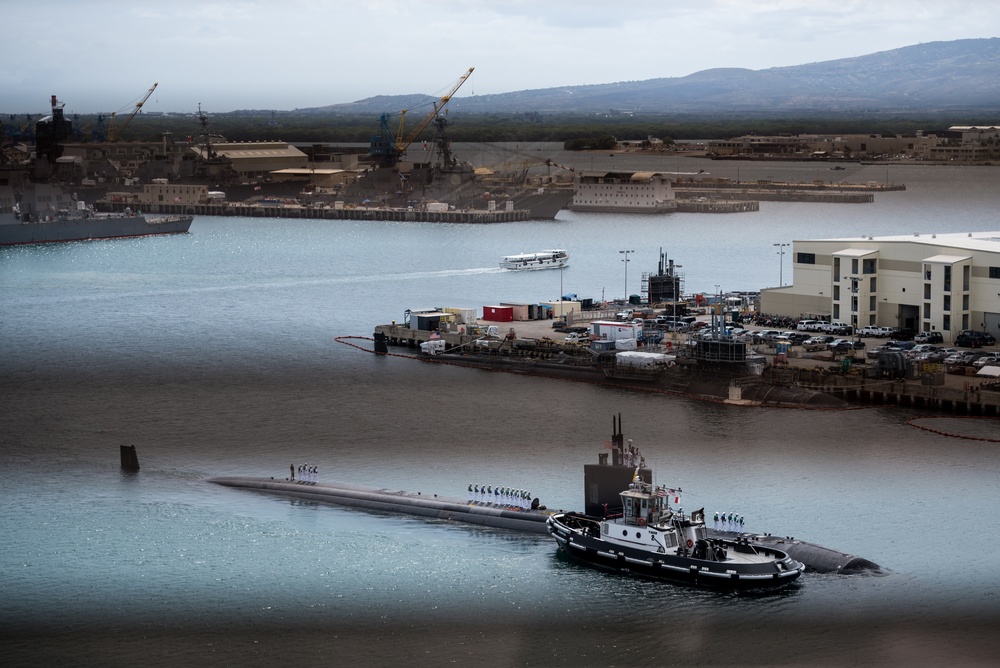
point(303, 53)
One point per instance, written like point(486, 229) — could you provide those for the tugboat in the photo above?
point(647, 537)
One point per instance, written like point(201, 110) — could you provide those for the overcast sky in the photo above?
point(103, 55)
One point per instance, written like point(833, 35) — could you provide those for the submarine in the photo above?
point(607, 477)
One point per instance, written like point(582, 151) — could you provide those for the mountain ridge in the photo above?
point(934, 76)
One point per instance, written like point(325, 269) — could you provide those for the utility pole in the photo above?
point(781, 263)
point(626, 253)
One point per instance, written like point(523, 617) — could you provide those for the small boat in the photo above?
point(649, 538)
point(547, 259)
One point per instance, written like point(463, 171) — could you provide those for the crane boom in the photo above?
point(403, 144)
point(387, 147)
point(112, 132)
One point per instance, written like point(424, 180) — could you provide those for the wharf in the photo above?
point(776, 195)
point(474, 216)
point(703, 205)
point(534, 342)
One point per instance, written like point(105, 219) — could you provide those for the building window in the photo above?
point(947, 303)
point(869, 266)
point(854, 265)
point(836, 269)
point(927, 311)
point(871, 303)
point(927, 290)
point(805, 258)
point(836, 292)
point(965, 302)
point(946, 322)
point(994, 272)
point(872, 284)
point(836, 312)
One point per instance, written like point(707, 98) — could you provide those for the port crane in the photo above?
point(114, 132)
point(388, 147)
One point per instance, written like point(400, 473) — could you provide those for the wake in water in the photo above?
point(266, 285)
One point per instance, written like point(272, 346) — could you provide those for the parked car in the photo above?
point(966, 340)
point(986, 360)
point(873, 352)
point(837, 327)
point(984, 338)
point(844, 345)
point(808, 325)
point(818, 340)
point(903, 334)
point(875, 332)
point(928, 337)
point(796, 337)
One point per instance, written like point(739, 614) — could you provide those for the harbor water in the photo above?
point(214, 354)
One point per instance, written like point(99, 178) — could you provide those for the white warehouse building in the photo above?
point(945, 282)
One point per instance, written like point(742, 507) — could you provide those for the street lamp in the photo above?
point(626, 253)
point(676, 280)
point(781, 263)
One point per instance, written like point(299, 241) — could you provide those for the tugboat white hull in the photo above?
point(736, 566)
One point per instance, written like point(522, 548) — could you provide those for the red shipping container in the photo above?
point(498, 313)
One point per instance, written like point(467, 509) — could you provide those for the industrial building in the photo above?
point(937, 282)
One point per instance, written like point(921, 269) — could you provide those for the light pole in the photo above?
point(674, 278)
point(626, 253)
point(781, 263)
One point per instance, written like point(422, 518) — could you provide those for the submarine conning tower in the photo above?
point(604, 482)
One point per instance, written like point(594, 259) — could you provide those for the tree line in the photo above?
point(574, 130)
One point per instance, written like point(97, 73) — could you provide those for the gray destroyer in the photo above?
point(46, 214)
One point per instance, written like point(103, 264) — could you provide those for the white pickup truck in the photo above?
point(876, 332)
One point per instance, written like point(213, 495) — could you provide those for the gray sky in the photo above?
point(103, 55)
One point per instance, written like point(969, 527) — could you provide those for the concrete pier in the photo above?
point(474, 216)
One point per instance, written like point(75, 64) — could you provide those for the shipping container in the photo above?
point(498, 313)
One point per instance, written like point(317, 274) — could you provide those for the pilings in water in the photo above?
point(130, 460)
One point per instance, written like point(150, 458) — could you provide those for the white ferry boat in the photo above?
point(547, 259)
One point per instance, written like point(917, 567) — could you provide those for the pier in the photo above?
point(963, 397)
point(703, 205)
point(469, 216)
point(758, 194)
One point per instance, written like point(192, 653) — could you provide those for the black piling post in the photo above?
point(380, 345)
point(130, 460)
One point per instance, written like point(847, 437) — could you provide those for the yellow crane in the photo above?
point(401, 143)
point(387, 147)
point(112, 132)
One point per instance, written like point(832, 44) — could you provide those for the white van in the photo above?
point(808, 325)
